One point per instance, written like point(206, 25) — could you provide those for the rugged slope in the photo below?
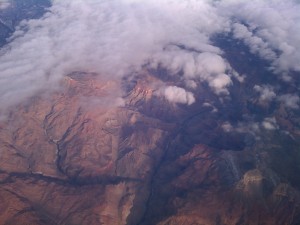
point(82, 156)
point(66, 161)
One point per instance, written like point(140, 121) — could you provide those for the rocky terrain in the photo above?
point(64, 161)
point(99, 151)
point(80, 155)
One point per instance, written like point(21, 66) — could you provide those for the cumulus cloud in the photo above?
point(112, 38)
point(178, 95)
point(207, 67)
point(269, 123)
point(256, 43)
point(118, 37)
point(269, 27)
point(290, 100)
point(219, 83)
point(266, 92)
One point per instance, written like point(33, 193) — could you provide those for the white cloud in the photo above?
point(178, 95)
point(290, 100)
point(111, 38)
point(220, 83)
point(269, 123)
point(209, 105)
point(208, 67)
point(117, 37)
point(271, 25)
point(191, 84)
point(266, 92)
point(256, 44)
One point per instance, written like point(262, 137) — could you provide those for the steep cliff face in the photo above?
point(82, 155)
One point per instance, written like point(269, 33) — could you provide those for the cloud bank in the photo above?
point(118, 37)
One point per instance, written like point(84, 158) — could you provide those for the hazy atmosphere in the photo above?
point(149, 112)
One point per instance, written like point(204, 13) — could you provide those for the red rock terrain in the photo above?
point(81, 155)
